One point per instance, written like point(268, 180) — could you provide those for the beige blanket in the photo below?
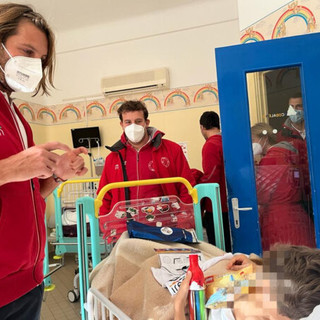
point(125, 277)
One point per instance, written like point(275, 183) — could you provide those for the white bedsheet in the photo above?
point(315, 315)
point(69, 217)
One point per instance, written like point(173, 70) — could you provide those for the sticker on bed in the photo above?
point(133, 211)
point(175, 205)
point(163, 207)
point(148, 210)
point(120, 214)
point(166, 230)
point(173, 218)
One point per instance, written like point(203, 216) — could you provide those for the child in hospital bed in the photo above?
point(287, 287)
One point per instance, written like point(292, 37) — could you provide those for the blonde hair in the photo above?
point(11, 15)
point(262, 129)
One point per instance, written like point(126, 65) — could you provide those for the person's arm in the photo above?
point(107, 198)
point(239, 262)
point(211, 163)
point(181, 298)
point(40, 162)
point(37, 161)
point(104, 180)
point(183, 170)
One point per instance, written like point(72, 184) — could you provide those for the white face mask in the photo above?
point(134, 132)
point(22, 74)
point(256, 148)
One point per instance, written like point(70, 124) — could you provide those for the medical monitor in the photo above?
point(81, 137)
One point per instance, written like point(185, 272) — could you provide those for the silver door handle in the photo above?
point(235, 210)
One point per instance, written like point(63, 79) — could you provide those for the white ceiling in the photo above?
point(258, 10)
point(64, 15)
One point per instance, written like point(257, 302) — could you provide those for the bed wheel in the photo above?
point(73, 295)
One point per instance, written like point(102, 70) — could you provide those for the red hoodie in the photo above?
point(22, 229)
point(159, 158)
point(213, 169)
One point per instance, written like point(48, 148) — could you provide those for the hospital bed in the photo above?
point(93, 304)
point(65, 196)
point(48, 268)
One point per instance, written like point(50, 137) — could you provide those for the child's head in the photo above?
point(286, 286)
point(294, 273)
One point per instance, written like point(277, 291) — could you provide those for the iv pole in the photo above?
point(81, 140)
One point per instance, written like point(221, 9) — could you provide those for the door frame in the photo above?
point(233, 63)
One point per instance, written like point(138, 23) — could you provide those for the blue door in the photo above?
point(269, 199)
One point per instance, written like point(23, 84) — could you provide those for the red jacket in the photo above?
point(290, 134)
point(213, 169)
point(159, 158)
point(22, 229)
point(279, 189)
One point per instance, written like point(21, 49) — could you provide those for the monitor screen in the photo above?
point(82, 136)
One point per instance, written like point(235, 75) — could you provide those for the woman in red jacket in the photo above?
point(283, 218)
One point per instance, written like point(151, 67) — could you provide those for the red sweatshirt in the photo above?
point(213, 169)
point(22, 229)
point(159, 158)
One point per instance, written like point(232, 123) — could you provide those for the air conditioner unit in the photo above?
point(136, 82)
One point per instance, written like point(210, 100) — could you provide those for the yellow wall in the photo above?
point(178, 125)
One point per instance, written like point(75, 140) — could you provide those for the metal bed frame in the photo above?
point(93, 304)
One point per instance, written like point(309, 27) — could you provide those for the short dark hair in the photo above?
point(131, 106)
point(296, 95)
point(210, 120)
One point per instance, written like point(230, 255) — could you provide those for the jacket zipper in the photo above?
point(138, 176)
point(31, 191)
point(37, 229)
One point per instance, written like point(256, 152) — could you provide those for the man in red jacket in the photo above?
point(213, 172)
point(294, 127)
point(142, 153)
point(293, 131)
point(28, 173)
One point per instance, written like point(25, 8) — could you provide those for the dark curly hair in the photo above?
point(131, 106)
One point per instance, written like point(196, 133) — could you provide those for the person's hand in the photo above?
point(71, 164)
point(238, 262)
point(37, 161)
point(181, 298)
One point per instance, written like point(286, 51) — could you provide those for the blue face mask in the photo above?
point(298, 117)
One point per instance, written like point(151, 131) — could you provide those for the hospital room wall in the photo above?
point(178, 39)
point(184, 45)
point(188, 53)
point(181, 38)
point(178, 125)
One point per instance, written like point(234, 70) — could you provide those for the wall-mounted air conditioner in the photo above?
point(136, 82)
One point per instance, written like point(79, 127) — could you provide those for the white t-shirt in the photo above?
point(20, 127)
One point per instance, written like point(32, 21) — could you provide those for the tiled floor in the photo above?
point(56, 305)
